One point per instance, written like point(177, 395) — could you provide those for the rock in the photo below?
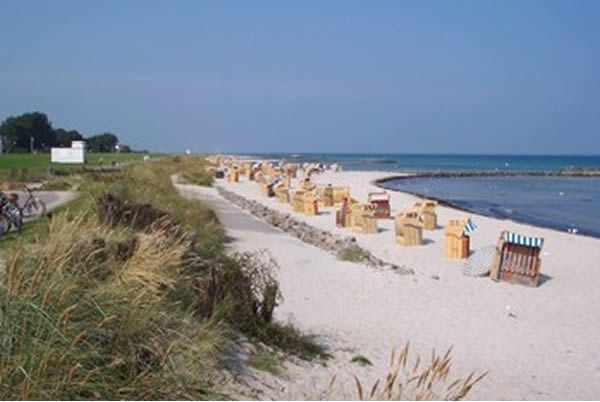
point(305, 232)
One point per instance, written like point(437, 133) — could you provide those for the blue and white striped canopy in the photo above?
point(470, 226)
point(514, 238)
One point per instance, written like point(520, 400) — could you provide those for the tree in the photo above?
point(102, 142)
point(18, 131)
point(65, 137)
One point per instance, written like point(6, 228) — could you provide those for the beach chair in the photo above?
point(245, 168)
point(266, 189)
point(456, 238)
point(297, 200)
point(286, 180)
point(281, 191)
point(306, 184)
point(290, 169)
point(343, 214)
point(426, 211)
point(409, 230)
point(381, 202)
point(327, 196)
point(259, 176)
point(234, 175)
point(517, 259)
point(363, 217)
point(252, 174)
point(311, 206)
point(340, 193)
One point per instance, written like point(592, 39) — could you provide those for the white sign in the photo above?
point(76, 154)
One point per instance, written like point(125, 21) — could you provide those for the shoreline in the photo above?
point(381, 183)
point(438, 306)
point(490, 173)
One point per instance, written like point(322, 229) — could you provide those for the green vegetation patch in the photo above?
point(353, 253)
point(265, 361)
point(361, 361)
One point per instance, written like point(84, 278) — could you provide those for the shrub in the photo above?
point(353, 253)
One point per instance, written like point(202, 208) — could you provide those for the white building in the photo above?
point(76, 154)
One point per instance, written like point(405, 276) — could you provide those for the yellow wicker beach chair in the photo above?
point(409, 231)
point(426, 211)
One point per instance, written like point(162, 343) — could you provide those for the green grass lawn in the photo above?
point(39, 163)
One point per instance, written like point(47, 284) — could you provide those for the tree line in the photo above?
point(33, 131)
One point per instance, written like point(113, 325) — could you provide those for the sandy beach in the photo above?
point(550, 350)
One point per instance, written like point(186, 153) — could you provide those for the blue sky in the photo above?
point(324, 76)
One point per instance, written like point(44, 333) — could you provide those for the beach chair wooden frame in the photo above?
point(297, 200)
point(307, 185)
point(343, 214)
point(516, 263)
point(409, 231)
point(266, 189)
point(456, 242)
point(363, 216)
point(327, 196)
point(340, 193)
point(311, 206)
point(290, 169)
point(234, 175)
point(427, 215)
point(381, 201)
point(280, 190)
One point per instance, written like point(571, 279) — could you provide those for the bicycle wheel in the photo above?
point(4, 225)
point(35, 209)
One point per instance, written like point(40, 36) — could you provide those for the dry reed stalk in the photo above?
point(418, 381)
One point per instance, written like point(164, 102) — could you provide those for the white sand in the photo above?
point(551, 350)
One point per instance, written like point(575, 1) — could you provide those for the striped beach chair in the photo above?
point(381, 201)
point(517, 259)
point(457, 237)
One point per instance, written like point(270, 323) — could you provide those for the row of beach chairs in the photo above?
point(516, 258)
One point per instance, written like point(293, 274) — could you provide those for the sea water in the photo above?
point(563, 203)
point(436, 162)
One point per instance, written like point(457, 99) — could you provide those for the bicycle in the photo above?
point(11, 214)
point(33, 206)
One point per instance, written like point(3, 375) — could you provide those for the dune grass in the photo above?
point(413, 379)
point(126, 293)
point(265, 361)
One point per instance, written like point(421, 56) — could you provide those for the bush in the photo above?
point(353, 253)
point(202, 178)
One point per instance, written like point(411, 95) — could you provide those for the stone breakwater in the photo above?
point(307, 233)
point(575, 172)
